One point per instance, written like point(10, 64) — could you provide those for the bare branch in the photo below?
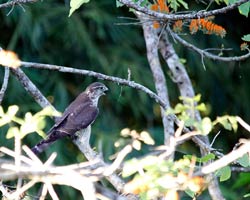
point(81, 140)
point(193, 15)
point(204, 53)
point(152, 40)
point(227, 159)
point(31, 88)
point(5, 83)
point(240, 169)
point(182, 79)
point(15, 2)
point(100, 76)
point(243, 123)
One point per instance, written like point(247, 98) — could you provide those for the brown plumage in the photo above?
point(80, 114)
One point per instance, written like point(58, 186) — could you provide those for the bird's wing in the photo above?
point(81, 99)
point(83, 116)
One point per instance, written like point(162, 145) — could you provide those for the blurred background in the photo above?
point(96, 37)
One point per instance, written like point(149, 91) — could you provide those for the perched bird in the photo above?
point(80, 114)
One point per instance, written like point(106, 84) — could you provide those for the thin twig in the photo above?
point(205, 53)
point(15, 2)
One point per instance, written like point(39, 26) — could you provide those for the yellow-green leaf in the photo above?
point(12, 132)
point(146, 138)
point(206, 125)
point(224, 173)
point(244, 160)
point(12, 110)
point(75, 4)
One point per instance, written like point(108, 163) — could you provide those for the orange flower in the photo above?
point(193, 26)
point(207, 26)
point(156, 24)
point(159, 6)
point(154, 7)
point(243, 46)
point(178, 26)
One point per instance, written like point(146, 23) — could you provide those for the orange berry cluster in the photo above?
point(207, 26)
point(159, 6)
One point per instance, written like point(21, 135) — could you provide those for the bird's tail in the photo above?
point(53, 135)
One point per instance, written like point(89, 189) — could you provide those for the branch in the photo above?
point(100, 76)
point(15, 2)
point(5, 83)
point(204, 53)
point(31, 88)
point(81, 140)
point(151, 40)
point(182, 79)
point(227, 159)
point(194, 15)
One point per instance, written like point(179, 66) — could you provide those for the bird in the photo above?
point(79, 115)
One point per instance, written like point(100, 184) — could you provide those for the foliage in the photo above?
point(29, 124)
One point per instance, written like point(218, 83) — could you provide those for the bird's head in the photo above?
point(95, 90)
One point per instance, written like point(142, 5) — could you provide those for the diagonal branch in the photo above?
point(31, 88)
point(5, 83)
point(193, 15)
point(204, 53)
point(15, 2)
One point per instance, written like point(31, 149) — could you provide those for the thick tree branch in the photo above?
point(182, 79)
point(193, 15)
point(5, 83)
point(204, 53)
point(151, 40)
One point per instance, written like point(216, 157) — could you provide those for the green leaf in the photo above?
point(224, 173)
point(246, 195)
point(201, 107)
point(233, 122)
point(190, 122)
point(190, 193)
point(244, 8)
point(12, 132)
point(246, 38)
point(197, 98)
point(207, 157)
point(118, 4)
point(206, 125)
point(224, 122)
point(184, 4)
point(180, 108)
point(12, 110)
point(75, 4)
point(244, 160)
